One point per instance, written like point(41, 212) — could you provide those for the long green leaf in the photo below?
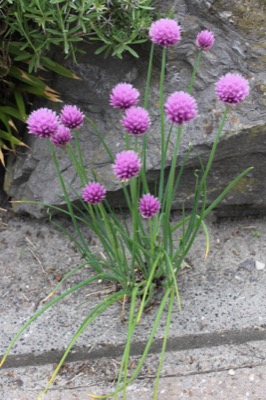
point(20, 104)
point(59, 69)
point(88, 320)
point(224, 193)
point(11, 138)
point(46, 307)
point(13, 112)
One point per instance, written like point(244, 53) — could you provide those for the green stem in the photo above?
point(135, 219)
point(147, 287)
point(165, 338)
point(213, 150)
point(110, 233)
point(148, 80)
point(69, 205)
point(194, 71)
point(131, 328)
point(145, 138)
point(79, 167)
point(162, 75)
point(173, 280)
point(81, 163)
point(146, 350)
point(168, 199)
point(19, 19)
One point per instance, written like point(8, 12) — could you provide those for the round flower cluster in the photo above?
point(62, 136)
point(45, 123)
point(127, 165)
point(205, 40)
point(136, 121)
point(232, 88)
point(149, 205)
point(123, 96)
point(71, 117)
point(165, 32)
point(94, 193)
point(180, 108)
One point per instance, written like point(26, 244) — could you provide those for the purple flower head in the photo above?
point(123, 96)
point(232, 88)
point(62, 136)
point(71, 117)
point(127, 165)
point(136, 120)
point(180, 107)
point(149, 205)
point(94, 193)
point(165, 32)
point(43, 122)
point(205, 40)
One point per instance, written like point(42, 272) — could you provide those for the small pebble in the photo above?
point(260, 265)
point(251, 378)
point(231, 372)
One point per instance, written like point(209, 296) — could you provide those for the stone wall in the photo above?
point(239, 47)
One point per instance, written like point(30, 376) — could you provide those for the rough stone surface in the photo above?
point(239, 47)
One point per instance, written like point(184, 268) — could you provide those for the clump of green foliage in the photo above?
point(42, 24)
point(124, 23)
point(30, 28)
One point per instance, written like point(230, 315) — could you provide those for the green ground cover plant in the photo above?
point(144, 257)
point(41, 24)
point(30, 29)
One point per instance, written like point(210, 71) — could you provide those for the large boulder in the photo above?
point(239, 47)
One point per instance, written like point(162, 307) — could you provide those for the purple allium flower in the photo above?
point(136, 120)
point(127, 165)
point(232, 88)
point(205, 40)
point(149, 205)
point(71, 117)
point(62, 136)
point(123, 96)
point(180, 107)
point(94, 193)
point(165, 32)
point(43, 122)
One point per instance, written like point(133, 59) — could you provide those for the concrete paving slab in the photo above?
point(223, 297)
point(224, 372)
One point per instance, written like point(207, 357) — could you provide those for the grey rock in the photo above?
point(239, 47)
point(248, 265)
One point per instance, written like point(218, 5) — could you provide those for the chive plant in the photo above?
point(144, 256)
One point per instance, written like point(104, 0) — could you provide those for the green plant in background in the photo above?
point(17, 87)
point(123, 24)
point(41, 24)
point(145, 255)
point(30, 28)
